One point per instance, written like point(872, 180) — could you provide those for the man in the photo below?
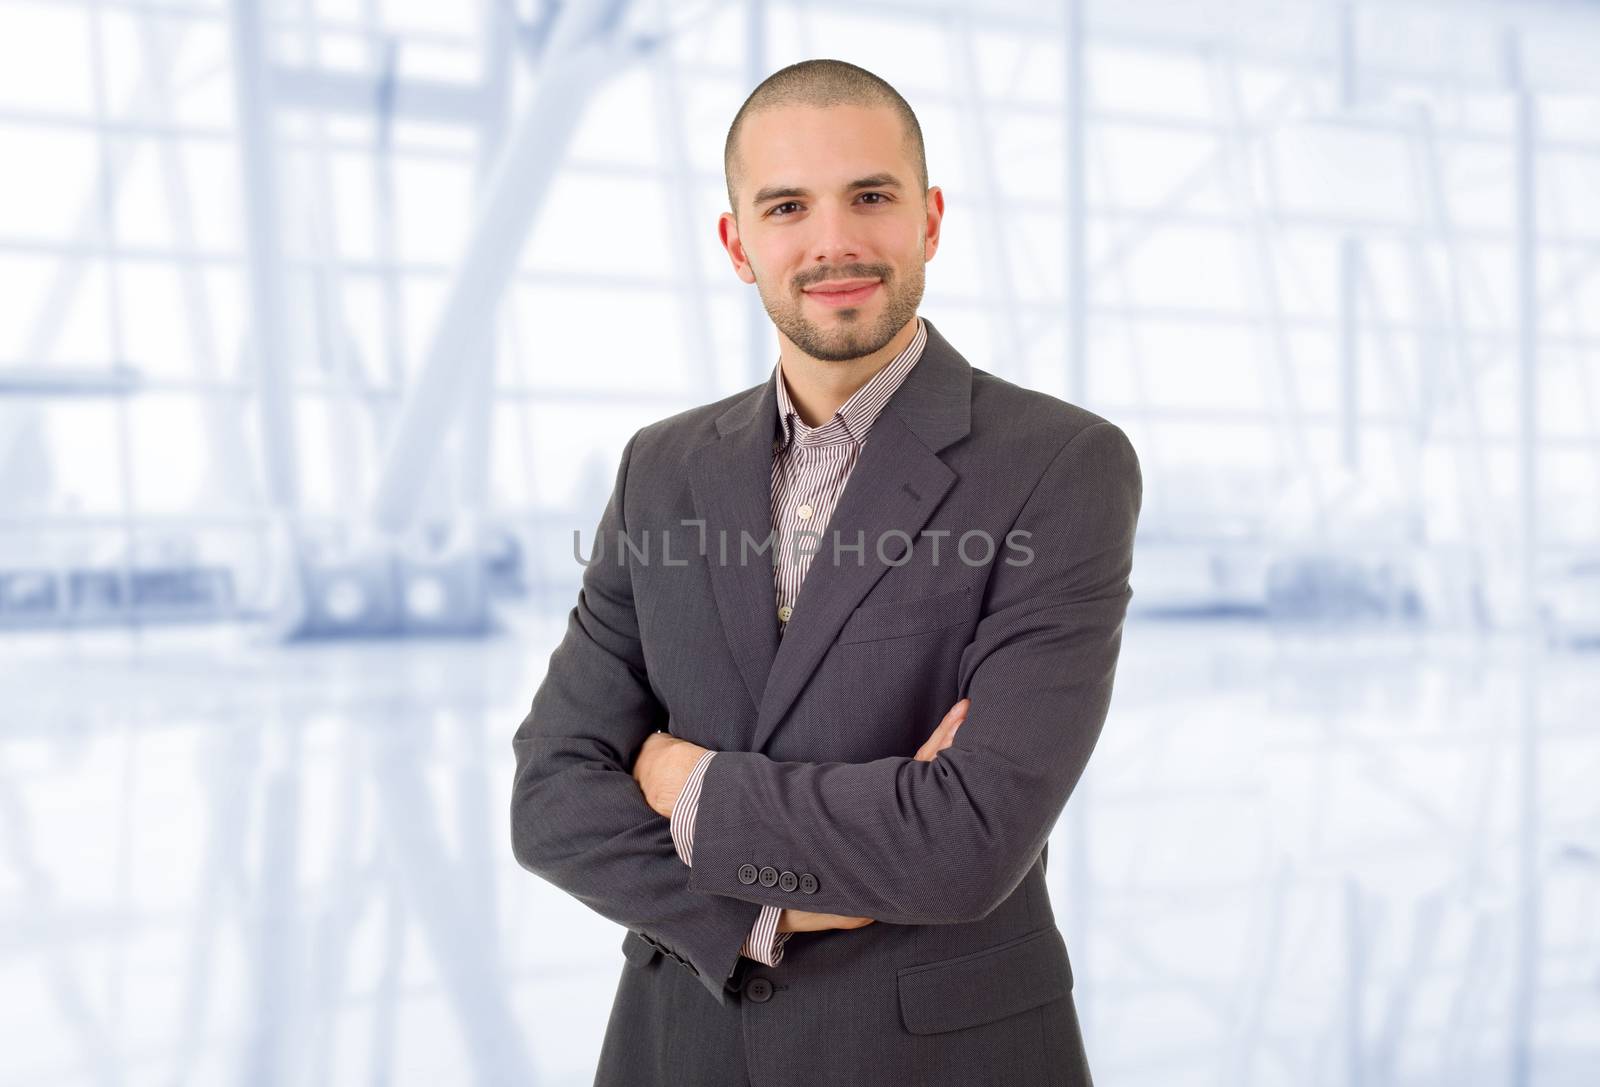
point(817, 891)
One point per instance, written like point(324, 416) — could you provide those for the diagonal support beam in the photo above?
point(584, 52)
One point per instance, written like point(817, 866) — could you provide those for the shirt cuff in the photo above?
point(681, 821)
point(765, 942)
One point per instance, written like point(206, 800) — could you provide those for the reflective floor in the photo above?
point(1296, 859)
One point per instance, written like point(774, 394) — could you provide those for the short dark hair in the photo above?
point(821, 82)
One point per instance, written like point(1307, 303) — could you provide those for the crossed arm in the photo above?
point(668, 770)
point(901, 840)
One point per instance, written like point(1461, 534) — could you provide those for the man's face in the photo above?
point(829, 198)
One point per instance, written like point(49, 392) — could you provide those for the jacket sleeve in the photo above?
point(946, 841)
point(578, 818)
point(765, 942)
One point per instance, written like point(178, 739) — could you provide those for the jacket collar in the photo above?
point(852, 422)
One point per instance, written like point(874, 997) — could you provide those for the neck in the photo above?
point(819, 387)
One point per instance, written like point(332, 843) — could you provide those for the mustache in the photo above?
point(860, 271)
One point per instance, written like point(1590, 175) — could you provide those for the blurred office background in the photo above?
point(323, 323)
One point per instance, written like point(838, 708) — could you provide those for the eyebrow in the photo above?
point(789, 192)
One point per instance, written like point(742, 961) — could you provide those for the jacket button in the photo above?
point(788, 881)
point(758, 989)
point(747, 874)
point(769, 876)
point(808, 883)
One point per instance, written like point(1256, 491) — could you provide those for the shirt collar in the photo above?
point(856, 415)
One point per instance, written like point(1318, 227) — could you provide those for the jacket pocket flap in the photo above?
point(986, 985)
point(898, 618)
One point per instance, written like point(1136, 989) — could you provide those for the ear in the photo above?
point(935, 219)
point(728, 235)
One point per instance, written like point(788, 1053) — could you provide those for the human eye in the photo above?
point(787, 203)
point(884, 195)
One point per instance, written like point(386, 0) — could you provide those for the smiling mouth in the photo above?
point(836, 298)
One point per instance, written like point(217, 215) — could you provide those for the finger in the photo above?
point(935, 743)
point(958, 717)
point(952, 720)
point(943, 732)
point(957, 714)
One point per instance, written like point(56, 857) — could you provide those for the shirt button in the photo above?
point(804, 512)
point(784, 613)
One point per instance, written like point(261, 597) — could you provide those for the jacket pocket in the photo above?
point(986, 985)
point(899, 618)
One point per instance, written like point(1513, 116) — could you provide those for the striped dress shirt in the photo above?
point(810, 467)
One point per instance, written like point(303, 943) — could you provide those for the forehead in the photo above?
point(816, 144)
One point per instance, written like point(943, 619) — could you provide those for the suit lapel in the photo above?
point(894, 488)
point(731, 480)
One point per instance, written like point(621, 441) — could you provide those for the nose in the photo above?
point(834, 241)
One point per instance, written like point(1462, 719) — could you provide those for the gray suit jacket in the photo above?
point(998, 526)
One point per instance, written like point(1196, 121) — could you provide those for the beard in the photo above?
point(847, 333)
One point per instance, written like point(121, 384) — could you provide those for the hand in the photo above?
point(662, 769)
point(944, 735)
point(806, 921)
